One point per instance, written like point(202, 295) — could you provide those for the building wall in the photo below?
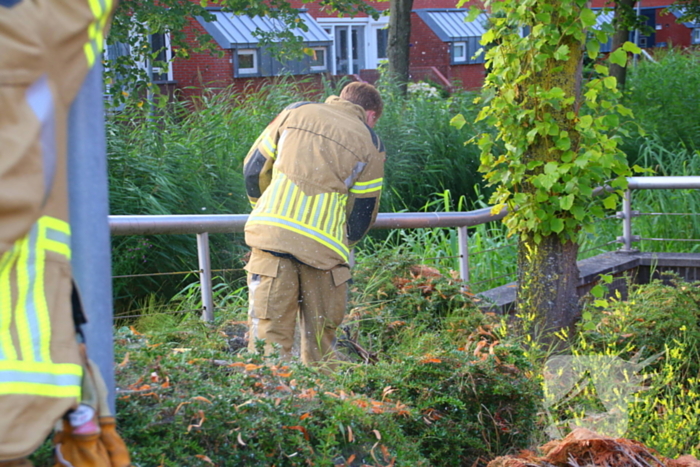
point(669, 31)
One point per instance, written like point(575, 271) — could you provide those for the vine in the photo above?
point(557, 137)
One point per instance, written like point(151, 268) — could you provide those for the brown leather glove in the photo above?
point(118, 453)
point(79, 450)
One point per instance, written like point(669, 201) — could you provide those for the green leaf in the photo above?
point(563, 143)
point(204, 3)
point(598, 292)
point(562, 53)
point(566, 202)
point(619, 57)
point(602, 70)
point(557, 225)
point(610, 82)
point(610, 202)
point(544, 18)
point(487, 37)
point(458, 121)
point(585, 121)
point(631, 47)
point(474, 11)
point(588, 17)
point(593, 48)
point(578, 212)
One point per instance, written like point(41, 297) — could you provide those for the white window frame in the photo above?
point(462, 58)
point(695, 36)
point(324, 66)
point(371, 26)
point(247, 71)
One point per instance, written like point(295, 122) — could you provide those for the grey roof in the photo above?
point(450, 26)
point(236, 31)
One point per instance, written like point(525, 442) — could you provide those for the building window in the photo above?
point(696, 36)
point(459, 52)
point(382, 41)
point(160, 47)
point(247, 61)
point(318, 59)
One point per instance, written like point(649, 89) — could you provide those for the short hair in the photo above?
point(365, 95)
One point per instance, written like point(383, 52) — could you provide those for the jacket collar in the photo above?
point(348, 106)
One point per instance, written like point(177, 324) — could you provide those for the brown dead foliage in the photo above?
point(585, 448)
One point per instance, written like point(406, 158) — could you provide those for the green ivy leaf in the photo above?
point(474, 11)
point(631, 47)
point(619, 57)
point(610, 202)
point(593, 48)
point(557, 225)
point(565, 202)
point(562, 53)
point(585, 121)
point(458, 121)
point(588, 17)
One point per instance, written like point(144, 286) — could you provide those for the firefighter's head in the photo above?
point(366, 96)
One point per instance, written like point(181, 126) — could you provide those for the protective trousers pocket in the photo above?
point(262, 269)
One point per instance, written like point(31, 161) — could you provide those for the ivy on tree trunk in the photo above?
point(555, 143)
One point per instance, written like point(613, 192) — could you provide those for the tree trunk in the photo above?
point(623, 19)
point(547, 280)
point(547, 270)
point(399, 41)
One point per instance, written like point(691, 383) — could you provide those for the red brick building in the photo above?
point(442, 48)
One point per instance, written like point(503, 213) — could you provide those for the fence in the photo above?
point(203, 225)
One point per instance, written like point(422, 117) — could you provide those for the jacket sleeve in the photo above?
point(257, 166)
point(365, 193)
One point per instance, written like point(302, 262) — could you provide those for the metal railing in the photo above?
point(203, 225)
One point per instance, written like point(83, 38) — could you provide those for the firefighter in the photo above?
point(46, 50)
point(314, 178)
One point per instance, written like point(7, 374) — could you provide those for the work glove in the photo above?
point(88, 436)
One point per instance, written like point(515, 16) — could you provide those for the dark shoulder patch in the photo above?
point(297, 104)
point(9, 3)
point(375, 139)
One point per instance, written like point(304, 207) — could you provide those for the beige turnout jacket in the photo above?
point(46, 49)
point(314, 178)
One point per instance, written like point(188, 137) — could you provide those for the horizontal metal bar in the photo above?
point(663, 183)
point(228, 223)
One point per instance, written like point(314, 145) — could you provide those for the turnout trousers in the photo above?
point(282, 289)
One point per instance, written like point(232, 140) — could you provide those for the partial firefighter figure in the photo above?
point(47, 48)
point(314, 178)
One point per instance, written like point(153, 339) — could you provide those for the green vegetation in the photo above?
point(426, 378)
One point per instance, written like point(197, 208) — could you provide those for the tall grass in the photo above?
point(665, 99)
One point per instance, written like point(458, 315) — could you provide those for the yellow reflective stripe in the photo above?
point(96, 29)
point(268, 147)
point(367, 187)
point(34, 389)
point(21, 320)
point(305, 230)
point(7, 262)
point(48, 224)
point(41, 308)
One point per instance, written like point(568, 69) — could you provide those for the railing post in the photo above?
point(626, 215)
point(463, 240)
point(205, 277)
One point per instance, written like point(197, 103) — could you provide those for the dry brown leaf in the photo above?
point(204, 458)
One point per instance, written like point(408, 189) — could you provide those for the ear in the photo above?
point(371, 117)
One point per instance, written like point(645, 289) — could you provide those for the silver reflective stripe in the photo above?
point(41, 102)
point(15, 376)
point(367, 187)
point(31, 311)
point(58, 236)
